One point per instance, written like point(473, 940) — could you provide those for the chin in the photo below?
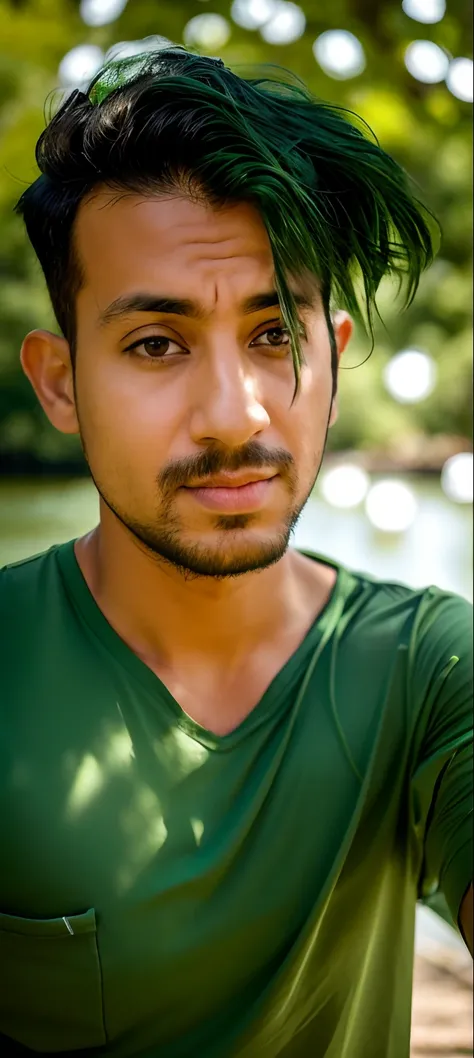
point(229, 552)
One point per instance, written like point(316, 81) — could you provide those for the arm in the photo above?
point(440, 681)
point(465, 917)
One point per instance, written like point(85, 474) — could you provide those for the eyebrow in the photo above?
point(152, 303)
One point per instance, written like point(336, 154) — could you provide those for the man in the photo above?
point(228, 768)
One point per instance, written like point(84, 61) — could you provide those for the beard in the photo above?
point(236, 549)
point(234, 553)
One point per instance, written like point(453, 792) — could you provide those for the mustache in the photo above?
point(216, 461)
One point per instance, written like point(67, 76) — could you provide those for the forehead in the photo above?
point(131, 242)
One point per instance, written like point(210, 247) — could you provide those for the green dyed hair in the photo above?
point(334, 204)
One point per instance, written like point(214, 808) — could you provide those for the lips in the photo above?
point(236, 498)
point(231, 481)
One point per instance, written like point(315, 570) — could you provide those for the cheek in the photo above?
point(309, 417)
point(313, 402)
point(127, 418)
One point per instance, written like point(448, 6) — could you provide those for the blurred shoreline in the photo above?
point(414, 454)
point(442, 991)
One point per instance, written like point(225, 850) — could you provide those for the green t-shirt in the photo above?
point(168, 892)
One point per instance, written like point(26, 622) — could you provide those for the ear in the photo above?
point(343, 328)
point(46, 361)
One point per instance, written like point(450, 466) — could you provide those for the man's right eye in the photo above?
point(156, 347)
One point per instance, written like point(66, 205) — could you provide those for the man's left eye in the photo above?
point(277, 336)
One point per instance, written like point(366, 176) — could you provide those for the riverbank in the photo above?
point(411, 454)
point(442, 1009)
point(442, 990)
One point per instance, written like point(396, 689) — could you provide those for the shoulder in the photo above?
point(26, 570)
point(441, 633)
point(433, 624)
point(27, 588)
point(428, 633)
point(427, 612)
point(442, 645)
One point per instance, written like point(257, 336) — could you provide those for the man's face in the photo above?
point(201, 387)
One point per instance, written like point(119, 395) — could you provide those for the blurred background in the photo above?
point(395, 493)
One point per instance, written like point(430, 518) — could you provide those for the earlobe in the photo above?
point(46, 362)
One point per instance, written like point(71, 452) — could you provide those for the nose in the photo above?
point(226, 404)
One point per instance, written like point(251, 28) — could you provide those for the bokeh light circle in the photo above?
point(207, 31)
point(391, 506)
point(426, 61)
point(101, 12)
point(427, 11)
point(80, 64)
point(339, 53)
point(345, 486)
point(457, 477)
point(286, 24)
point(251, 14)
point(410, 376)
point(459, 79)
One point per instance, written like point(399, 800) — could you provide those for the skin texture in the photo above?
point(228, 586)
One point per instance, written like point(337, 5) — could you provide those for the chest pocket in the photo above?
point(50, 983)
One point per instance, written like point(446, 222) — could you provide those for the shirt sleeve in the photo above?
point(441, 687)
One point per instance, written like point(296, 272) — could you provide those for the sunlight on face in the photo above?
point(184, 373)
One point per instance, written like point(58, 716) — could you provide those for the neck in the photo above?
point(166, 618)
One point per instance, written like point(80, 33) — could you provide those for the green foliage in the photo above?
point(424, 127)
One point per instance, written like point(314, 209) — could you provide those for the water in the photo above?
point(436, 549)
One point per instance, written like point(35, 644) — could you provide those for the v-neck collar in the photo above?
point(273, 697)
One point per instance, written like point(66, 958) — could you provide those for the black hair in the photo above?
point(334, 204)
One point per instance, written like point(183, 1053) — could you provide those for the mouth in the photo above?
point(236, 496)
point(233, 481)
